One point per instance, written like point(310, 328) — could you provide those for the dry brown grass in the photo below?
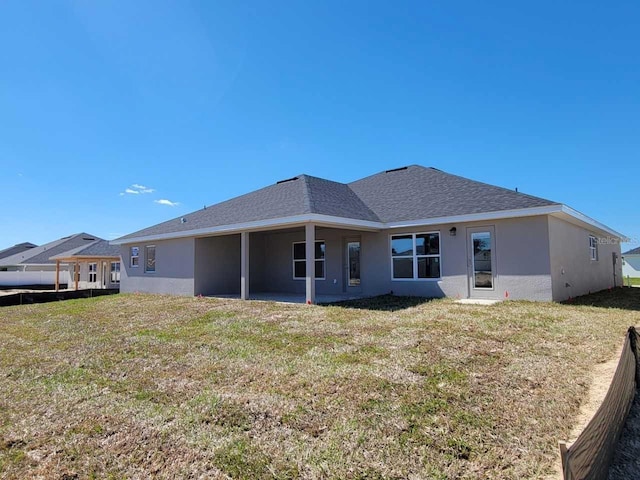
point(138, 386)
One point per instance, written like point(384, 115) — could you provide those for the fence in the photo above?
point(22, 279)
point(589, 457)
point(44, 297)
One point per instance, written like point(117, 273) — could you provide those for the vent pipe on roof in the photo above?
point(286, 180)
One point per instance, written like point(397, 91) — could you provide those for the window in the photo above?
point(135, 256)
point(300, 262)
point(115, 272)
point(415, 256)
point(150, 256)
point(593, 247)
point(93, 272)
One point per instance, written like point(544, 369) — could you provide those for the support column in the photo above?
point(310, 251)
point(244, 265)
point(76, 274)
point(57, 275)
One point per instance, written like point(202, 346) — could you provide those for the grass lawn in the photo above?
point(138, 386)
point(634, 281)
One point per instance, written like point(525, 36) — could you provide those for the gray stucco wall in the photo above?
point(573, 273)
point(522, 262)
point(217, 265)
point(174, 268)
point(530, 255)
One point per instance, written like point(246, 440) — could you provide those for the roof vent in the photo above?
point(287, 180)
point(183, 220)
point(88, 238)
point(395, 169)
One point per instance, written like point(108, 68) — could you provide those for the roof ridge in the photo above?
point(307, 200)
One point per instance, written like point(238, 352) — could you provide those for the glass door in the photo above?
point(481, 260)
point(353, 264)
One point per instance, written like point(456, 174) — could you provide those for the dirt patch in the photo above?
point(600, 381)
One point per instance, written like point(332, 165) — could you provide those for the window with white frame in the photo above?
point(300, 260)
point(415, 256)
point(135, 256)
point(150, 259)
point(593, 247)
point(115, 272)
point(93, 272)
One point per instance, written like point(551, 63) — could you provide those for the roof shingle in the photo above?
point(408, 193)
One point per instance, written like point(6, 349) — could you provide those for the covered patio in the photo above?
point(94, 266)
point(276, 264)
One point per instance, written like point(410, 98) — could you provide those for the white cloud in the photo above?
point(137, 189)
point(166, 202)
point(142, 188)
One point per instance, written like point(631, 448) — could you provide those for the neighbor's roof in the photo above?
point(98, 249)
point(42, 254)
point(20, 247)
point(408, 193)
point(635, 251)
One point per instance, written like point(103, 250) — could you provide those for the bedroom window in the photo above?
point(415, 256)
point(135, 256)
point(300, 262)
point(593, 247)
point(150, 256)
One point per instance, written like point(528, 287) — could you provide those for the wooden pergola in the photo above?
point(77, 260)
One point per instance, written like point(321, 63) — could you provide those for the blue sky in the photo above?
point(192, 103)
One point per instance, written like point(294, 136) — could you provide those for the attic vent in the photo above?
point(183, 220)
point(287, 180)
point(395, 169)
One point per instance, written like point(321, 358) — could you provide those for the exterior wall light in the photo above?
point(453, 231)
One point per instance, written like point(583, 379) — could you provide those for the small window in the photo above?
point(415, 256)
point(135, 256)
point(150, 255)
point(115, 272)
point(593, 247)
point(300, 261)
point(93, 272)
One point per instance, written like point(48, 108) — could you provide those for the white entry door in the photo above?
point(481, 261)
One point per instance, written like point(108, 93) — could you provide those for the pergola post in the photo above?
point(57, 275)
point(244, 265)
point(310, 253)
point(76, 273)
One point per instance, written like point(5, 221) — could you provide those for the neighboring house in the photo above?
point(96, 265)
point(34, 267)
point(631, 263)
point(19, 248)
point(410, 231)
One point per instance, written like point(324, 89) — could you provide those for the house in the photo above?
point(411, 231)
point(37, 266)
point(18, 248)
point(631, 263)
point(96, 265)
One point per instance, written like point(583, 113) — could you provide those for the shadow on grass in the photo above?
point(386, 303)
point(626, 298)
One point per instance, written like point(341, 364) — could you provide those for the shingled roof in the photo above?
point(635, 251)
point(416, 192)
point(41, 255)
point(408, 193)
point(99, 248)
point(20, 247)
